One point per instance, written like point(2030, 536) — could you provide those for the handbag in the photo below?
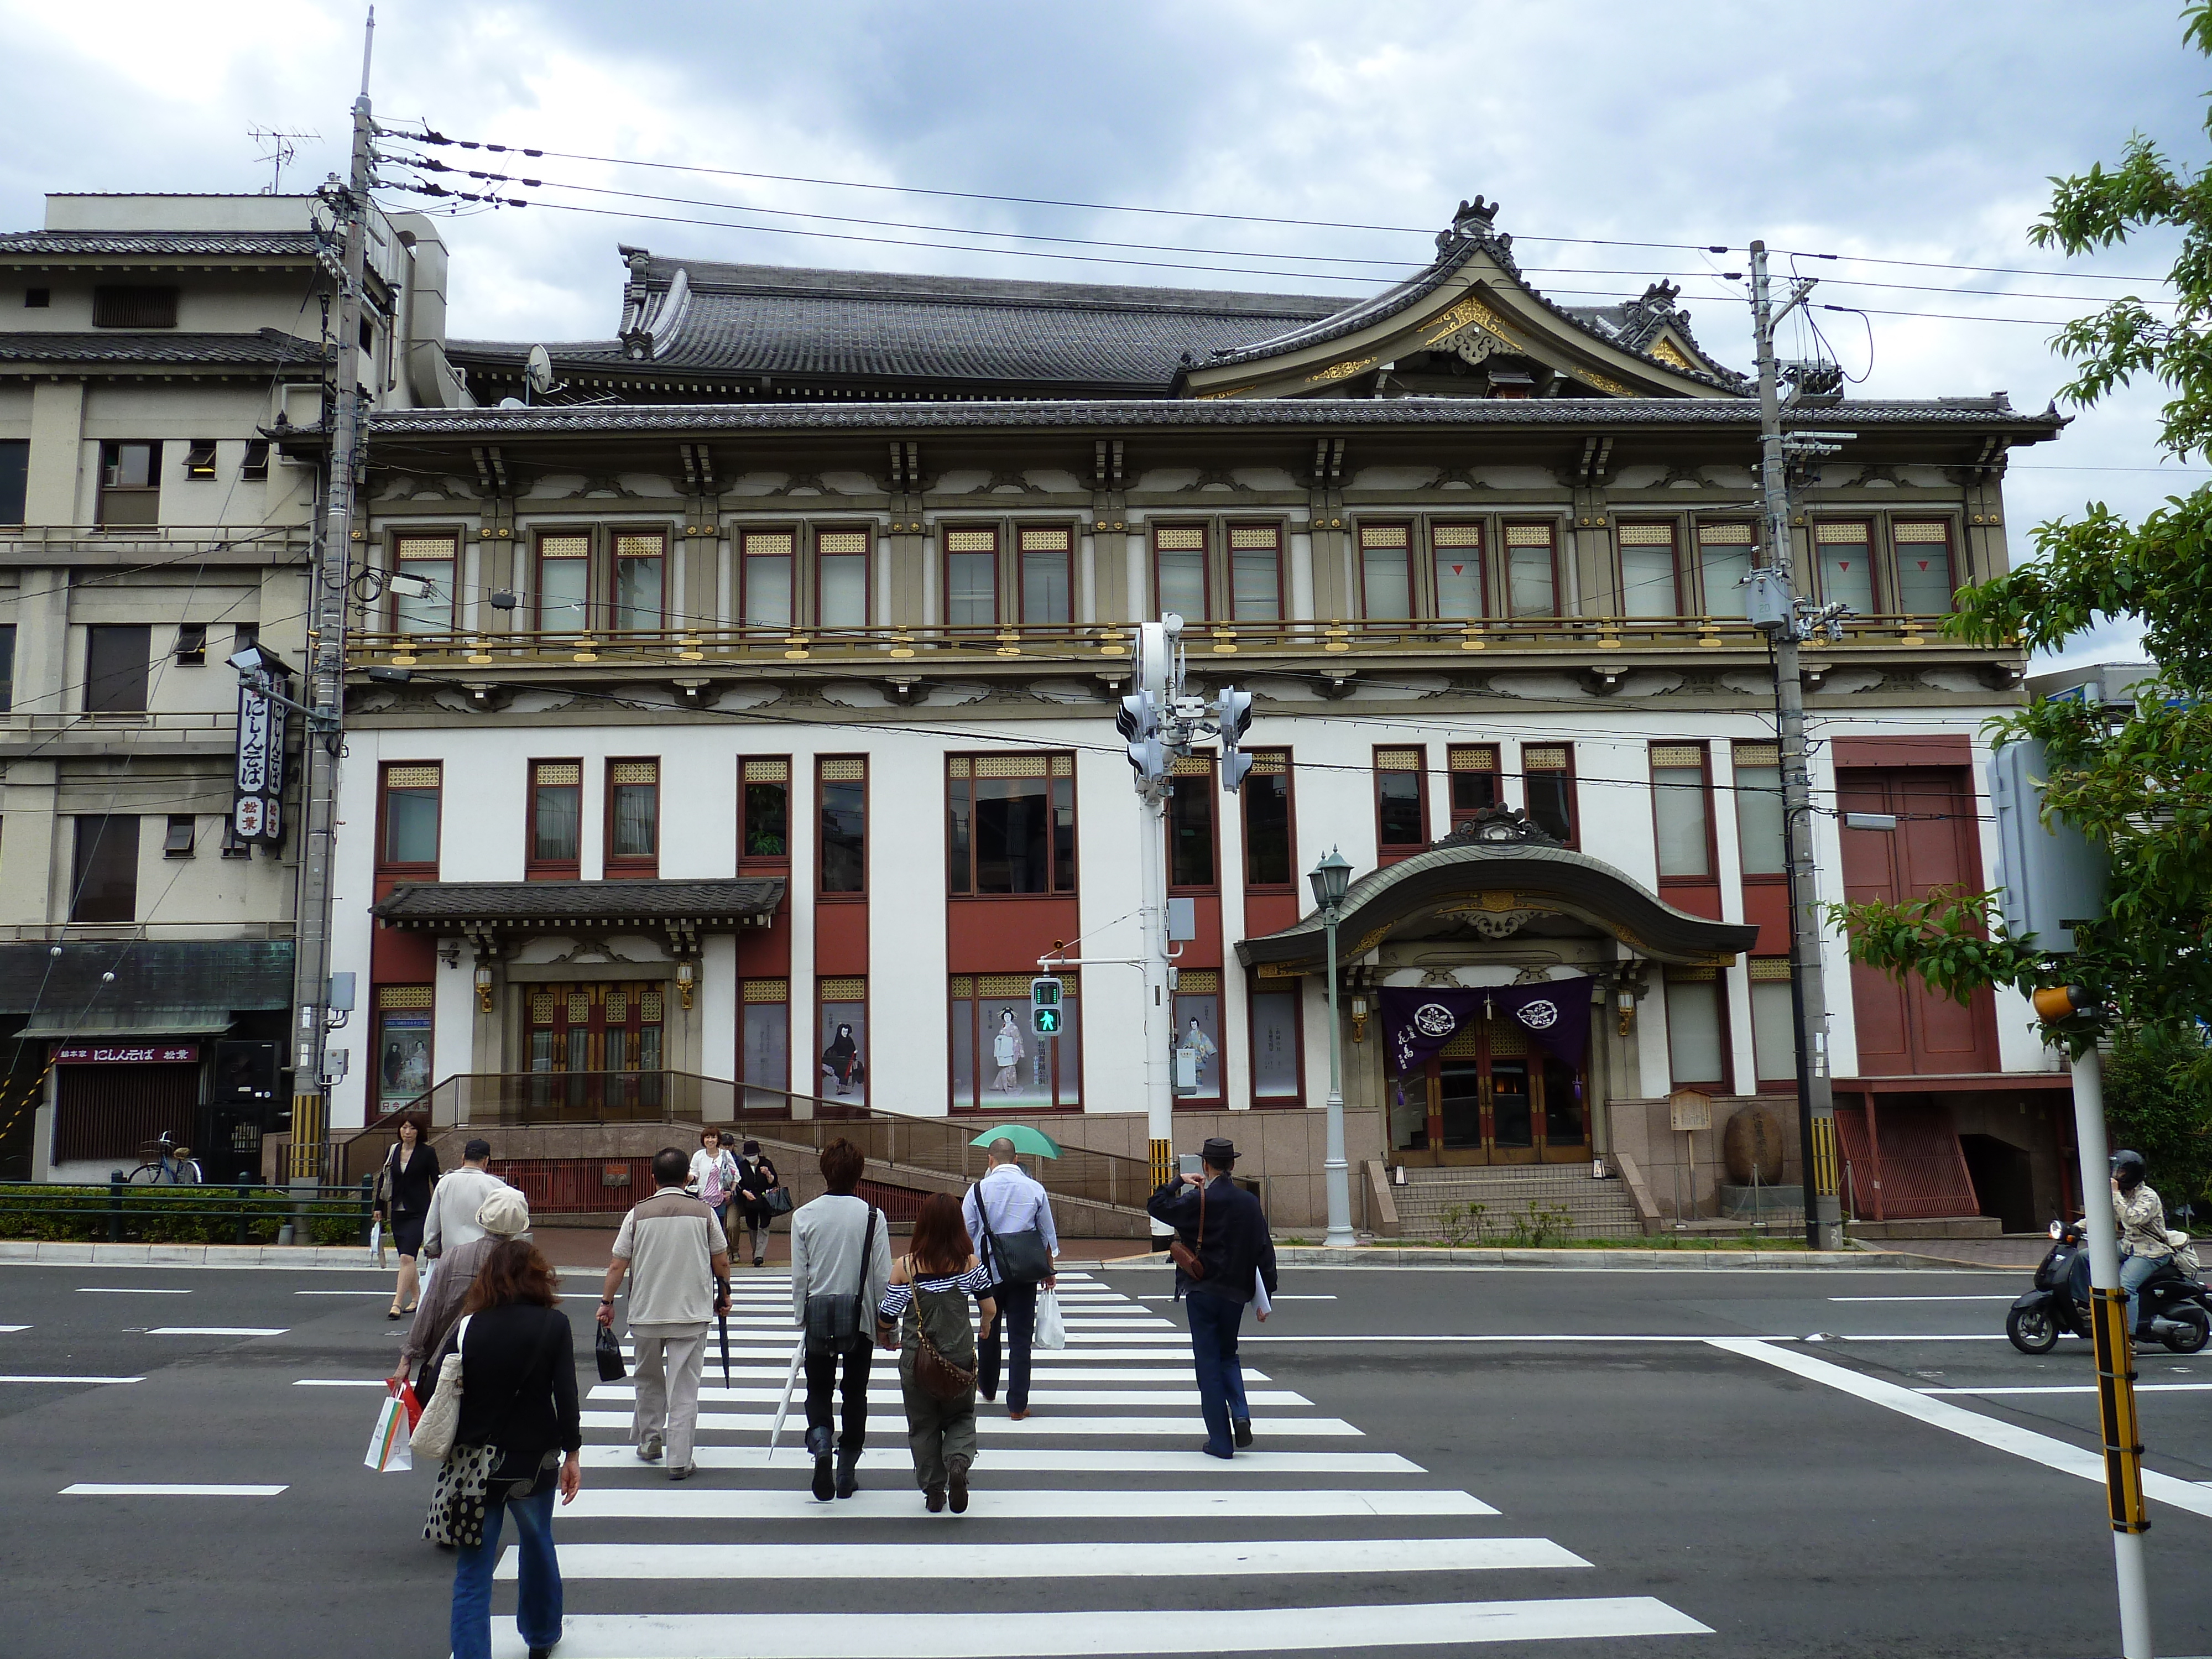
point(1185, 1257)
point(608, 1352)
point(833, 1322)
point(442, 1418)
point(776, 1200)
point(1018, 1258)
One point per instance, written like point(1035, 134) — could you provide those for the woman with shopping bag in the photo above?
point(509, 1386)
point(928, 1294)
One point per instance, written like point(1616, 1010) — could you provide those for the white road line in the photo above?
point(339, 1293)
point(663, 1501)
point(1041, 1460)
point(217, 1330)
point(86, 1380)
point(9, 1330)
point(1923, 1298)
point(337, 1382)
point(125, 1290)
point(889, 1393)
point(1972, 1336)
point(98, 1490)
point(2002, 1437)
point(1067, 1635)
point(1301, 1428)
point(2079, 1387)
point(1164, 1558)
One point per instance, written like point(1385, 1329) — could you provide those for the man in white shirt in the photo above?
point(1006, 1203)
point(456, 1198)
point(678, 1264)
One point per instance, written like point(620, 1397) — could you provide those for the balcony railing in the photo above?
point(1059, 643)
point(517, 1100)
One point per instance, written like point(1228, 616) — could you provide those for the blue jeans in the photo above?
point(2133, 1272)
point(537, 1614)
point(1213, 1323)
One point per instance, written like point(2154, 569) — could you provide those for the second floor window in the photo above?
point(764, 811)
point(1647, 585)
point(1724, 563)
point(1179, 569)
point(1474, 779)
point(1679, 810)
point(1925, 581)
point(430, 559)
point(1047, 561)
point(410, 811)
point(564, 582)
point(1268, 839)
point(557, 818)
point(843, 783)
point(1401, 801)
point(1010, 824)
point(1846, 558)
point(115, 662)
point(769, 560)
point(104, 875)
point(840, 578)
point(640, 580)
point(1456, 552)
point(1190, 825)
point(130, 484)
point(1256, 572)
point(15, 478)
point(1386, 569)
point(1547, 779)
point(633, 817)
point(971, 578)
point(1758, 815)
point(1531, 582)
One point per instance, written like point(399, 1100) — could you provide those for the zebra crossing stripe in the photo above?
point(1162, 1559)
point(1075, 1634)
point(1038, 1460)
point(660, 1501)
point(889, 1394)
point(1179, 1375)
point(1297, 1428)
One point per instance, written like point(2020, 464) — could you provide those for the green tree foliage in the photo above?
point(2142, 786)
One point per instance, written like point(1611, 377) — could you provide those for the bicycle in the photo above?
point(165, 1164)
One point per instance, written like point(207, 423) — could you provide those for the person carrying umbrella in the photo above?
point(1010, 1216)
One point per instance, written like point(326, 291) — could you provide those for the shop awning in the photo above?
point(184, 1020)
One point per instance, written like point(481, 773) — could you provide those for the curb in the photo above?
point(1302, 1256)
point(51, 1252)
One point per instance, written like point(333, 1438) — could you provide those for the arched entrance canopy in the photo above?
point(1492, 890)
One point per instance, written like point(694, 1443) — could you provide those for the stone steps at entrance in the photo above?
point(1596, 1209)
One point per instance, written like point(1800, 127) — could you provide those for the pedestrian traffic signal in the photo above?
point(1045, 1022)
point(1044, 1006)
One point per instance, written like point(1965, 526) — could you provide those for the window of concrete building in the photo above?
point(177, 843)
point(1773, 1024)
point(556, 820)
point(1456, 563)
point(104, 873)
point(764, 1042)
point(116, 658)
point(7, 667)
point(406, 1018)
point(999, 1064)
point(1386, 570)
point(1697, 1040)
point(840, 578)
point(1256, 572)
point(641, 577)
point(1680, 810)
point(1647, 582)
point(1532, 584)
point(1925, 579)
point(38, 299)
point(15, 478)
point(1278, 1075)
point(1198, 1033)
point(200, 459)
point(254, 467)
point(971, 576)
point(1047, 556)
point(1191, 847)
point(1759, 820)
point(1270, 838)
point(1179, 570)
point(764, 812)
point(431, 560)
point(133, 306)
point(130, 484)
point(1845, 550)
point(1010, 824)
point(633, 817)
point(410, 810)
point(1401, 802)
point(842, 788)
point(564, 582)
point(1548, 782)
point(1474, 780)
point(841, 1025)
point(1724, 563)
point(767, 567)
point(191, 644)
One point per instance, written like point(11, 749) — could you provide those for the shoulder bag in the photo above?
point(1018, 1258)
point(1183, 1255)
point(776, 1200)
point(938, 1377)
point(833, 1321)
point(442, 1418)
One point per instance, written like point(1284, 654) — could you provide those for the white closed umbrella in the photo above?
point(783, 1406)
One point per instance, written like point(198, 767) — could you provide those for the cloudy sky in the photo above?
point(1878, 130)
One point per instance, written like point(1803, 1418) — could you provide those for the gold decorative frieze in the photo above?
point(1343, 371)
point(1671, 355)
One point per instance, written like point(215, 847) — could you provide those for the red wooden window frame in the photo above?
point(539, 869)
point(631, 867)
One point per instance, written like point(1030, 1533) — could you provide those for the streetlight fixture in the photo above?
point(1330, 879)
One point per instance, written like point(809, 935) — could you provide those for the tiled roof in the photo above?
point(161, 244)
point(1991, 413)
point(457, 904)
point(121, 348)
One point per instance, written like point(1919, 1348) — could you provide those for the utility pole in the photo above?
point(325, 677)
point(1774, 607)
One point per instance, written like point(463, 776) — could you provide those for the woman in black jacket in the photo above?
point(518, 1418)
point(757, 1179)
point(403, 1204)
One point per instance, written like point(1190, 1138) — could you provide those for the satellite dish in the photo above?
point(540, 372)
point(512, 402)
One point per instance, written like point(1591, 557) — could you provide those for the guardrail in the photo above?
point(247, 1213)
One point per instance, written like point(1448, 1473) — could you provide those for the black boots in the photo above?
point(957, 1468)
point(848, 1479)
point(817, 1443)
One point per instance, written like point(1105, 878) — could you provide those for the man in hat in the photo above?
point(1226, 1230)
point(504, 1214)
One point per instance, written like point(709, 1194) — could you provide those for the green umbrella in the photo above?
point(1035, 1142)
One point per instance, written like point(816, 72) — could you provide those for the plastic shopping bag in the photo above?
point(390, 1448)
point(1262, 1304)
point(1051, 1329)
point(376, 1242)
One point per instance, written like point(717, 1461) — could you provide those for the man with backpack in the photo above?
point(1010, 1218)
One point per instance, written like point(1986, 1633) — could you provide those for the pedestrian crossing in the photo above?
point(1096, 1526)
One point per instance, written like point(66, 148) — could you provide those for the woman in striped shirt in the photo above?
point(924, 1314)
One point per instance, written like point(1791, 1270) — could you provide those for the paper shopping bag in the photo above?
point(390, 1447)
point(1051, 1329)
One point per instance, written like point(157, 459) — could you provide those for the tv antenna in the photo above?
point(279, 152)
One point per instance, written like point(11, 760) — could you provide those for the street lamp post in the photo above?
point(1331, 877)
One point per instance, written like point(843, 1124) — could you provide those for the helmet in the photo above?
point(2128, 1170)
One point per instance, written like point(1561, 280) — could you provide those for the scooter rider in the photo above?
point(2141, 1219)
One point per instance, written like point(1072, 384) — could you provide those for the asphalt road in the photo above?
point(1668, 1457)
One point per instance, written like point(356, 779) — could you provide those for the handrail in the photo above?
point(1087, 641)
point(528, 1100)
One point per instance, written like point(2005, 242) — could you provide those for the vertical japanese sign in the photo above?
point(257, 811)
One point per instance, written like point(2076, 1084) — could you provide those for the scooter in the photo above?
point(2172, 1309)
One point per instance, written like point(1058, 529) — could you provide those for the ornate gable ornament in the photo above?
point(1497, 826)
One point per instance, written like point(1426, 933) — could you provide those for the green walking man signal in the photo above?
point(1044, 1006)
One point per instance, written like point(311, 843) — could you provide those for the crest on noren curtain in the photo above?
point(1421, 1020)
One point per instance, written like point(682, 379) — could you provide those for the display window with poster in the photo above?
point(764, 1043)
point(999, 1064)
point(1197, 1035)
point(405, 1043)
point(841, 1029)
point(1278, 1078)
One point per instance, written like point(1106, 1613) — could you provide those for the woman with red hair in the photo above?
point(928, 1295)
